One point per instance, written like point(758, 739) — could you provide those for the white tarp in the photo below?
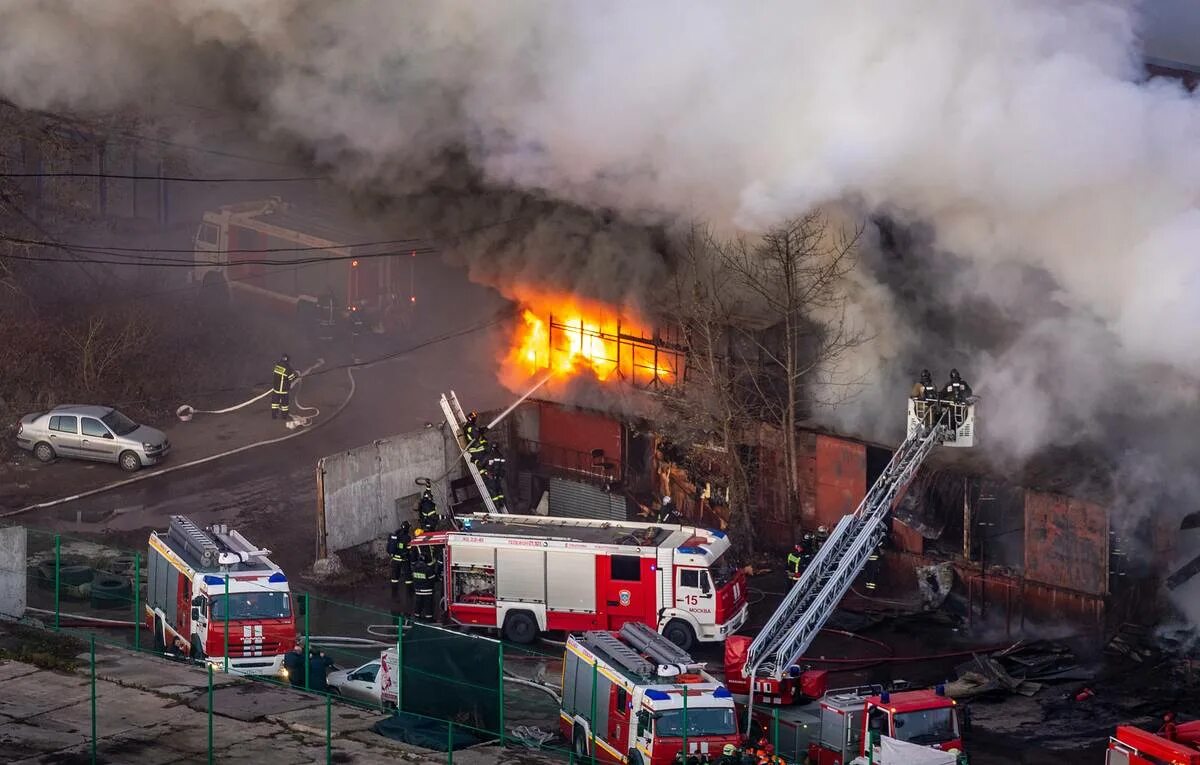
point(894, 752)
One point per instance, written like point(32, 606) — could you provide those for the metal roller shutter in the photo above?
point(571, 499)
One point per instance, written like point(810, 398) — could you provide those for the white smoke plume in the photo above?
point(1019, 133)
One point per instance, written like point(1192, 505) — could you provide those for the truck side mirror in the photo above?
point(195, 614)
point(198, 601)
point(875, 719)
point(705, 588)
point(643, 722)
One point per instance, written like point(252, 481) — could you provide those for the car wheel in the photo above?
point(130, 462)
point(520, 627)
point(579, 744)
point(680, 633)
point(44, 452)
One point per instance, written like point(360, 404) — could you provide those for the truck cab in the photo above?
point(923, 717)
point(633, 696)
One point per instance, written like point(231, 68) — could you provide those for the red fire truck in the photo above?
point(367, 284)
point(1134, 746)
point(633, 696)
point(833, 730)
point(527, 574)
point(203, 582)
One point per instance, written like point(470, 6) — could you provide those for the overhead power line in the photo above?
point(173, 178)
point(153, 262)
point(104, 248)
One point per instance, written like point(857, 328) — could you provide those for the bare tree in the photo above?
point(794, 279)
point(104, 341)
point(762, 319)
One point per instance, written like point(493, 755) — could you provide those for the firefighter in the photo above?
point(294, 665)
point(427, 511)
point(470, 428)
point(956, 391)
point(281, 389)
point(397, 549)
point(925, 394)
point(665, 513)
point(797, 559)
point(423, 575)
point(493, 476)
point(318, 669)
point(477, 448)
point(820, 539)
point(1169, 729)
point(730, 756)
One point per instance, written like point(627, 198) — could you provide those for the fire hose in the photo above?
point(187, 411)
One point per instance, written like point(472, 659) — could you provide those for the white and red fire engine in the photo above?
point(527, 574)
point(365, 283)
point(204, 581)
point(634, 696)
point(1134, 746)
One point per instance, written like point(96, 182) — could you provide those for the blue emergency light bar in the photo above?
point(214, 580)
point(277, 578)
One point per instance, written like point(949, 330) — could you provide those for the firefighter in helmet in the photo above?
point(956, 391)
point(282, 378)
point(493, 476)
point(798, 558)
point(925, 394)
point(470, 428)
point(423, 578)
point(730, 756)
point(477, 448)
point(665, 512)
point(397, 549)
point(427, 511)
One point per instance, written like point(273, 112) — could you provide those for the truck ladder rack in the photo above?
point(605, 644)
point(815, 596)
point(456, 419)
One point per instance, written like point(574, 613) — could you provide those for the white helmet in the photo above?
point(666, 500)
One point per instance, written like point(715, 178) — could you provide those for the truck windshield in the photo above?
point(722, 571)
point(927, 726)
point(701, 721)
point(252, 605)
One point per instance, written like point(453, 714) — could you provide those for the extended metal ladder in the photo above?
point(815, 596)
point(456, 419)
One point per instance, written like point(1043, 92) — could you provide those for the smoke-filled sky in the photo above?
point(1053, 190)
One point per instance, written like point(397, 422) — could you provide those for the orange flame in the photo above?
point(570, 340)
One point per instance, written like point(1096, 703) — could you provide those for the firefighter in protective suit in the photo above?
point(282, 378)
point(493, 476)
point(957, 390)
point(470, 428)
point(477, 448)
point(925, 394)
point(397, 549)
point(423, 578)
point(427, 511)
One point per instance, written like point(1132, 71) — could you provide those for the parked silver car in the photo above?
point(360, 683)
point(91, 433)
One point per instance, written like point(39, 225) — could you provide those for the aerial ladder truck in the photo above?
point(771, 660)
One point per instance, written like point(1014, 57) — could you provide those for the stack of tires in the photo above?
point(111, 591)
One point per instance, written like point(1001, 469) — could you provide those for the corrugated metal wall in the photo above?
point(569, 499)
point(841, 478)
point(1066, 543)
point(580, 431)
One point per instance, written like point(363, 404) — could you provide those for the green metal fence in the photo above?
point(454, 689)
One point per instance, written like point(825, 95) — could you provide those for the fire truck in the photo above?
point(1134, 746)
point(634, 696)
point(204, 582)
point(333, 280)
point(834, 730)
point(527, 574)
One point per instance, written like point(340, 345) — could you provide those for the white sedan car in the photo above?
point(359, 684)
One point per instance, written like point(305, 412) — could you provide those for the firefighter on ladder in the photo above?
point(427, 511)
point(799, 558)
point(493, 476)
point(470, 428)
point(282, 378)
point(477, 447)
point(397, 548)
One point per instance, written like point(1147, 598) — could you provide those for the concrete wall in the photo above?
point(12, 572)
point(367, 492)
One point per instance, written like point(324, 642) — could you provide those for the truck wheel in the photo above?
point(44, 452)
point(520, 627)
point(680, 633)
point(214, 291)
point(197, 653)
point(579, 744)
point(160, 636)
point(130, 462)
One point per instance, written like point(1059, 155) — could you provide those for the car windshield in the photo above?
point(927, 726)
point(119, 423)
point(722, 571)
point(252, 605)
point(701, 721)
